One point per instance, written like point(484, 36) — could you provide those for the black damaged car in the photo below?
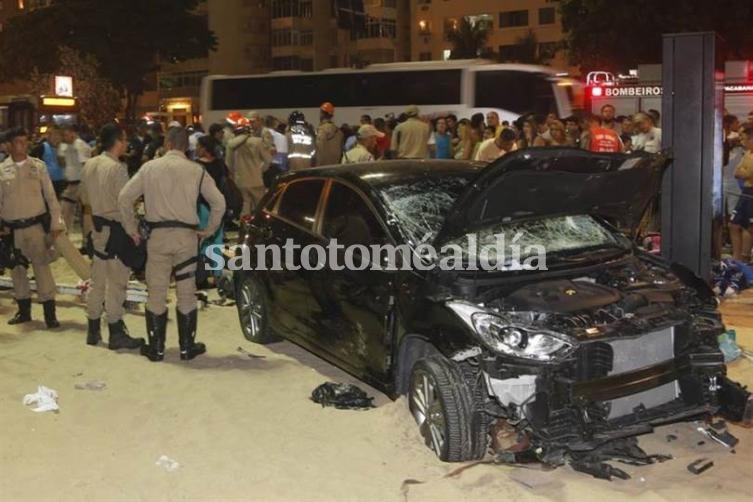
point(605, 344)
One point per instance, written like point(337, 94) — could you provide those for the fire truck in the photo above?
point(642, 90)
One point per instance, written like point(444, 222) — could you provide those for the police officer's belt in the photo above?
point(27, 222)
point(170, 224)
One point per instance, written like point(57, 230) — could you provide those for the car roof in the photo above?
point(388, 172)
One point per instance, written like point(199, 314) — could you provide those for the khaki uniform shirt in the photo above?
point(102, 179)
point(744, 169)
point(329, 144)
point(358, 153)
point(24, 189)
point(170, 186)
point(411, 139)
point(249, 156)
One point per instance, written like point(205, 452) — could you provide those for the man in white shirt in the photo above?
point(76, 153)
point(492, 149)
point(648, 136)
point(280, 142)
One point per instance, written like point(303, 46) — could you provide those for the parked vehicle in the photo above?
point(460, 87)
point(606, 343)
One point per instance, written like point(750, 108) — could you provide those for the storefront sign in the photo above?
point(63, 86)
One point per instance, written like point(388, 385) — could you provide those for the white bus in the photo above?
point(438, 87)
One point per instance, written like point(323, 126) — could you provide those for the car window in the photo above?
point(350, 220)
point(299, 202)
point(421, 205)
point(272, 202)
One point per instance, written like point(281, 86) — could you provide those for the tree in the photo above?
point(126, 38)
point(99, 101)
point(603, 34)
point(468, 39)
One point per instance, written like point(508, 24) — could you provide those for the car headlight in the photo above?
point(505, 337)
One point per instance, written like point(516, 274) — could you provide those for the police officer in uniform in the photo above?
point(329, 137)
point(301, 142)
point(30, 210)
point(101, 181)
point(171, 186)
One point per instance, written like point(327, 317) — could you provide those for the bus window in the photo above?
point(514, 91)
point(427, 87)
point(299, 91)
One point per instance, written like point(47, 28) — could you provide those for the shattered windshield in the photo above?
point(556, 235)
point(421, 205)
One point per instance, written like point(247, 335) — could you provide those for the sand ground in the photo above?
point(243, 429)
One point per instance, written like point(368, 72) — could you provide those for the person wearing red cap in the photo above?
point(329, 138)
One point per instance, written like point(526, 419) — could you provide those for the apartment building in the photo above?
point(528, 31)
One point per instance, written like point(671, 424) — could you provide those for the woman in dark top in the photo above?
point(205, 153)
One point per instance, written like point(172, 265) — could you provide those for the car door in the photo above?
point(292, 222)
point(354, 305)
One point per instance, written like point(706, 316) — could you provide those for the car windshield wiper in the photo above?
point(589, 253)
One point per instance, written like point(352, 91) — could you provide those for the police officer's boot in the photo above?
point(94, 332)
point(156, 325)
point(50, 319)
point(24, 312)
point(187, 334)
point(120, 338)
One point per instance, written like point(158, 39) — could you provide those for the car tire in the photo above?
point(446, 411)
point(253, 311)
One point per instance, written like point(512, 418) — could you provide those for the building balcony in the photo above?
point(375, 43)
point(296, 23)
point(292, 50)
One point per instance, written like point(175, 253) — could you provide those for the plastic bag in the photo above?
point(342, 396)
point(45, 399)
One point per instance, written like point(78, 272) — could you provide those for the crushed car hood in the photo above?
point(558, 181)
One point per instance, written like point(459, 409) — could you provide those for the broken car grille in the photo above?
point(641, 352)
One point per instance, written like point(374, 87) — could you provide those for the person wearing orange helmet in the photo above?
point(329, 138)
point(249, 155)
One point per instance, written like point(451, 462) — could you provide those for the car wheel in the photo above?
point(253, 312)
point(445, 410)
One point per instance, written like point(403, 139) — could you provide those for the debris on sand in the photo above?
point(167, 463)
point(700, 465)
point(95, 385)
point(343, 396)
point(44, 398)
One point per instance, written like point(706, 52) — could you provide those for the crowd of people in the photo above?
point(185, 177)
